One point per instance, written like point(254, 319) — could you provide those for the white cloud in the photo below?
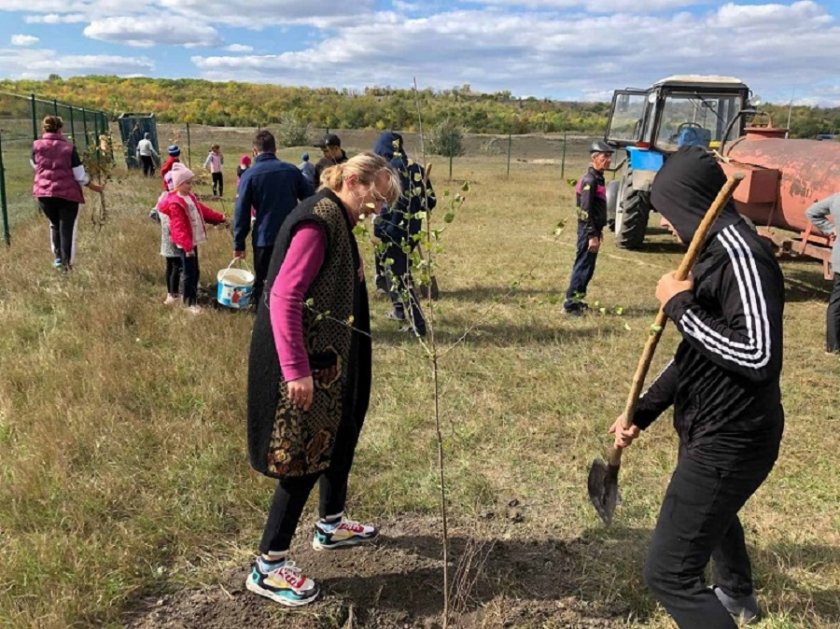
point(20, 63)
point(55, 18)
point(24, 40)
point(257, 15)
point(551, 55)
point(148, 31)
point(239, 48)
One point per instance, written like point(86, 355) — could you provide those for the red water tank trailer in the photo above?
point(783, 177)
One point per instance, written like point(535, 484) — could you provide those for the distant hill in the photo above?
point(251, 104)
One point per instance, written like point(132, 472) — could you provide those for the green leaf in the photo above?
point(449, 217)
point(465, 187)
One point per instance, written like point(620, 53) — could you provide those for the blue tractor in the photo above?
point(652, 124)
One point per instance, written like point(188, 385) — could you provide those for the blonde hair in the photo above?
point(367, 167)
point(52, 124)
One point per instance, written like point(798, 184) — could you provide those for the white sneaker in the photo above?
point(171, 299)
point(195, 310)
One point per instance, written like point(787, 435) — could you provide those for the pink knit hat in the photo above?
point(181, 175)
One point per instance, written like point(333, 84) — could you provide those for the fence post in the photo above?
point(34, 121)
point(72, 128)
point(3, 207)
point(510, 142)
point(55, 106)
point(189, 148)
point(563, 160)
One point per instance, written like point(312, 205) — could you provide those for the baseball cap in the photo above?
point(331, 139)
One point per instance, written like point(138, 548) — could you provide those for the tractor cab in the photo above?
point(653, 123)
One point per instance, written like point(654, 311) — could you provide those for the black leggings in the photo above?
point(832, 336)
point(699, 521)
point(218, 185)
point(62, 214)
point(174, 268)
point(189, 276)
point(292, 493)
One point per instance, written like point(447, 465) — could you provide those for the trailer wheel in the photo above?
point(613, 190)
point(632, 216)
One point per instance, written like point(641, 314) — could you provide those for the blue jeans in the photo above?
point(582, 271)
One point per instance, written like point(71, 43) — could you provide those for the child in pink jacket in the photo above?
point(187, 229)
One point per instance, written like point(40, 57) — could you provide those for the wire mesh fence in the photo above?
point(20, 125)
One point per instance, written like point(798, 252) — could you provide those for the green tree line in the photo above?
point(250, 104)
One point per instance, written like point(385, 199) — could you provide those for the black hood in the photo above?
point(684, 189)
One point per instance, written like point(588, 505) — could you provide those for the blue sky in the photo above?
point(563, 49)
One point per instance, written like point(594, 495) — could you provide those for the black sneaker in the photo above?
point(743, 608)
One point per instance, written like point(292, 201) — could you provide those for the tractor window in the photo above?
point(628, 111)
point(695, 119)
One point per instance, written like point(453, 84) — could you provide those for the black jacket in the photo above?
point(724, 378)
point(592, 202)
point(400, 223)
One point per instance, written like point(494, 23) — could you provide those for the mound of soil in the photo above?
point(397, 583)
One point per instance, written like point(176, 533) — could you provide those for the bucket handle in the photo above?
point(241, 262)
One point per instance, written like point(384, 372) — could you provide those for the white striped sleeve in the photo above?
point(748, 344)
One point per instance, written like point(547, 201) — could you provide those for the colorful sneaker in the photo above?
point(57, 263)
point(284, 584)
point(342, 534)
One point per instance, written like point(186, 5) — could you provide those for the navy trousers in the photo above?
point(582, 272)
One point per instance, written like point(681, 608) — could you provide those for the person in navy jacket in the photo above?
point(592, 217)
point(273, 187)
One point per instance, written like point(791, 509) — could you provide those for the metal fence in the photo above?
point(20, 125)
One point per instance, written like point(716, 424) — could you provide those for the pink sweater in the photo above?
point(299, 269)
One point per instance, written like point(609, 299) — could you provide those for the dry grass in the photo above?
point(122, 451)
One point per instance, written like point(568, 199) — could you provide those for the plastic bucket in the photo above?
point(234, 286)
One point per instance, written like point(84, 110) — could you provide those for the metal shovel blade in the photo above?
point(603, 488)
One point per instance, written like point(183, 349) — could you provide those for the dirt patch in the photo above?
point(397, 583)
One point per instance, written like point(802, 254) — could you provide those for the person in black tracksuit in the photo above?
point(724, 385)
point(592, 217)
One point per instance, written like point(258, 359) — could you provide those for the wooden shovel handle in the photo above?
point(682, 272)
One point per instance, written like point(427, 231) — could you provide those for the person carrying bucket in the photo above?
point(187, 217)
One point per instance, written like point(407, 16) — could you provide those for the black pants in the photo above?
point(832, 336)
point(401, 288)
point(174, 269)
point(62, 215)
point(218, 185)
point(291, 494)
point(148, 165)
point(698, 521)
point(582, 271)
point(190, 273)
point(262, 257)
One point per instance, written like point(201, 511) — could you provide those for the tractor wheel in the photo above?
point(613, 190)
point(632, 216)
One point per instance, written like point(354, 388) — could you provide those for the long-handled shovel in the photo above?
point(603, 475)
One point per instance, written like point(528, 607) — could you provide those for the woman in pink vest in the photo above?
point(59, 177)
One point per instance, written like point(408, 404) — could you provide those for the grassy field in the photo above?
point(122, 449)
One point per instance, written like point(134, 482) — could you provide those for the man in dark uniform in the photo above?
point(333, 154)
point(724, 386)
point(592, 217)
